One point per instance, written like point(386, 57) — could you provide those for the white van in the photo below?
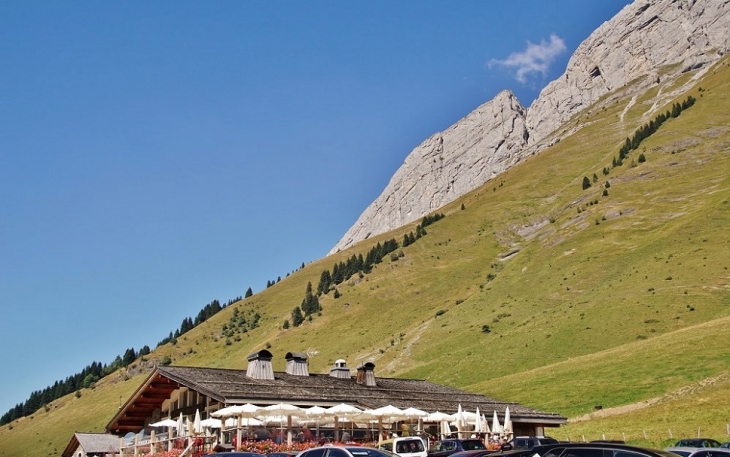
point(407, 446)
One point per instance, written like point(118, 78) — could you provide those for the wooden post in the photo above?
point(699, 432)
point(380, 429)
point(645, 438)
point(623, 434)
point(337, 430)
point(136, 444)
point(670, 434)
point(288, 431)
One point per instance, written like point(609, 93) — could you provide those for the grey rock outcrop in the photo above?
point(646, 38)
point(446, 166)
point(641, 39)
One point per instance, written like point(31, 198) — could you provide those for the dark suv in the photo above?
point(528, 442)
point(587, 450)
point(445, 448)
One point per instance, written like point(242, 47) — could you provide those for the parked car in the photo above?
point(345, 451)
point(477, 453)
point(282, 454)
point(590, 450)
point(235, 454)
point(725, 445)
point(528, 442)
point(711, 452)
point(683, 451)
point(445, 448)
point(406, 446)
point(697, 442)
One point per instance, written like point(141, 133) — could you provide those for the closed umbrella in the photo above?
point(196, 423)
point(180, 426)
point(459, 421)
point(496, 428)
point(507, 421)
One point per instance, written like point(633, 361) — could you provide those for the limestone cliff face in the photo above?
point(642, 40)
point(446, 166)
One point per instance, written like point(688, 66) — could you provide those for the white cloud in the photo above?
point(537, 58)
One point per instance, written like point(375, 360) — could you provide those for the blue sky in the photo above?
point(155, 156)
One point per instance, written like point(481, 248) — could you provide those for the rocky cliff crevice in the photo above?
point(646, 39)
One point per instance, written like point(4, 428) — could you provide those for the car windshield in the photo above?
point(472, 445)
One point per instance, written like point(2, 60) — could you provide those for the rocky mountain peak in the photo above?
point(646, 39)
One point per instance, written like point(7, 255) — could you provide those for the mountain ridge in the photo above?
point(640, 39)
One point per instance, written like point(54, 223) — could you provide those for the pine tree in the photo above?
point(249, 293)
point(586, 183)
point(297, 317)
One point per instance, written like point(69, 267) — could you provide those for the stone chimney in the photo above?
point(340, 370)
point(297, 363)
point(366, 374)
point(259, 365)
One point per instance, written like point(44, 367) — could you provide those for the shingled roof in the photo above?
point(92, 444)
point(230, 387)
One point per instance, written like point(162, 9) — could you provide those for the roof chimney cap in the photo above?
point(259, 365)
point(340, 363)
point(366, 374)
point(296, 355)
point(263, 354)
point(367, 366)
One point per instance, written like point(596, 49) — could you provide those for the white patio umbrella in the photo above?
point(343, 410)
point(212, 423)
point(445, 429)
point(165, 423)
point(315, 414)
point(485, 425)
point(496, 428)
point(246, 410)
point(196, 423)
point(315, 411)
point(460, 422)
point(285, 410)
point(415, 413)
point(438, 417)
point(478, 423)
point(388, 413)
point(278, 420)
point(180, 426)
point(507, 421)
point(282, 409)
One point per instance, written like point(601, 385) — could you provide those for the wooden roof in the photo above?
point(92, 443)
point(230, 387)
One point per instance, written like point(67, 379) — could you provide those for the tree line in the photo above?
point(87, 377)
point(344, 270)
point(645, 131)
point(650, 128)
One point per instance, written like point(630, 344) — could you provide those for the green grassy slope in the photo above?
point(611, 304)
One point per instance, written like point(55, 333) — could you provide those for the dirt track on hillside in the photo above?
point(722, 378)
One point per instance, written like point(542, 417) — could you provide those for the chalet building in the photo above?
point(92, 444)
point(170, 391)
